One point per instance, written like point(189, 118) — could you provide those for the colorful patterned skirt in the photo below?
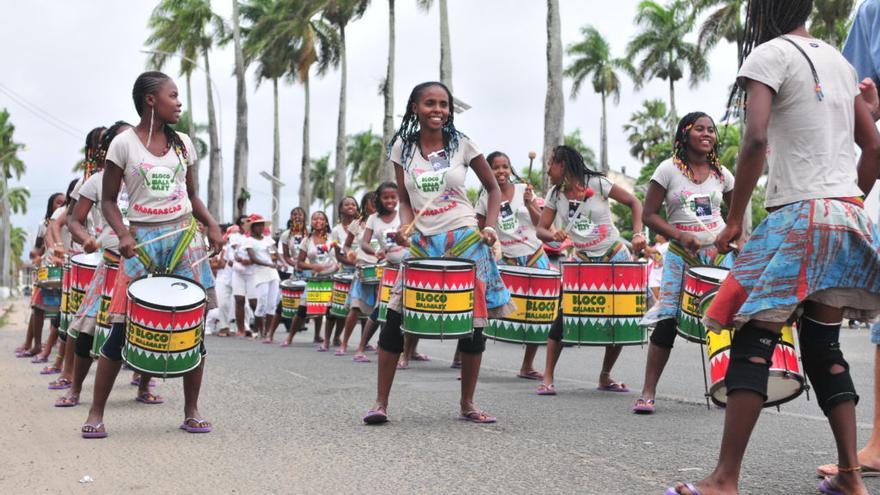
point(85, 319)
point(538, 259)
point(822, 250)
point(675, 263)
point(491, 298)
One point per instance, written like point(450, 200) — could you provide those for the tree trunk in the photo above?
point(215, 173)
point(305, 191)
point(240, 165)
point(339, 175)
point(445, 47)
point(192, 131)
point(554, 104)
point(276, 158)
point(387, 173)
point(5, 242)
point(673, 115)
point(603, 139)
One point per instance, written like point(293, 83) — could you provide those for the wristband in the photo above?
point(490, 229)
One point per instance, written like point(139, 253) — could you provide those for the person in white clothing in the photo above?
point(261, 252)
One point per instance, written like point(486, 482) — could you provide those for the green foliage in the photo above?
point(534, 179)
point(365, 156)
point(473, 194)
point(831, 20)
point(183, 27)
point(758, 211)
point(18, 241)
point(575, 140)
point(182, 125)
point(10, 163)
point(648, 128)
point(724, 22)
point(592, 59)
point(321, 180)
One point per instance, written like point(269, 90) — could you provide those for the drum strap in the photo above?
point(605, 258)
point(690, 260)
point(531, 262)
point(179, 250)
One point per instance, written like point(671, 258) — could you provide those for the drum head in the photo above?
point(86, 259)
point(711, 273)
point(440, 264)
point(167, 291)
point(289, 284)
point(343, 278)
point(527, 270)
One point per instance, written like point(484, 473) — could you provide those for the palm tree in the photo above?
point(273, 59)
point(445, 44)
point(388, 95)
point(593, 59)
point(195, 131)
point(240, 154)
point(554, 103)
point(10, 166)
point(365, 158)
point(575, 140)
point(831, 20)
point(647, 128)
point(320, 180)
point(18, 242)
point(724, 23)
point(339, 13)
point(189, 28)
point(661, 49)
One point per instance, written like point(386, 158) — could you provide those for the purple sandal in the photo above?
point(671, 490)
point(643, 406)
point(546, 389)
point(376, 416)
point(94, 431)
point(60, 384)
point(203, 426)
point(360, 358)
point(827, 487)
point(148, 398)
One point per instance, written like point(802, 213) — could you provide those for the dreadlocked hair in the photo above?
point(107, 138)
point(680, 147)
point(93, 139)
point(573, 165)
point(766, 20)
point(290, 221)
point(380, 208)
point(368, 198)
point(408, 133)
point(149, 83)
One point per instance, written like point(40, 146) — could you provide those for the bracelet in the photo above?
point(638, 234)
point(490, 229)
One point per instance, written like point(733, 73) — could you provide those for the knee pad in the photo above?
point(62, 336)
point(390, 336)
point(750, 355)
point(83, 346)
point(820, 353)
point(663, 334)
point(474, 345)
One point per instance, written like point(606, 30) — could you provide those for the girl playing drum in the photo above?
point(154, 162)
point(579, 203)
point(362, 298)
point(692, 184)
point(431, 159)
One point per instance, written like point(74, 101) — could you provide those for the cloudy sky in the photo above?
point(76, 60)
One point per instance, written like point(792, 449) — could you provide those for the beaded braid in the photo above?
point(408, 133)
point(107, 138)
point(680, 147)
point(573, 163)
point(93, 139)
point(367, 198)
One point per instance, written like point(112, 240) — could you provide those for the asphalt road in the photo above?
point(288, 421)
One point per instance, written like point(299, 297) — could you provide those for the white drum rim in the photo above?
point(162, 307)
point(441, 264)
point(704, 272)
point(529, 270)
point(89, 260)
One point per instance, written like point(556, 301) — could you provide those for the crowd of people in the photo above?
point(416, 250)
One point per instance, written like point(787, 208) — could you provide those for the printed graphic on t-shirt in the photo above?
point(573, 208)
point(583, 225)
point(430, 183)
point(160, 183)
point(507, 220)
point(701, 205)
point(390, 237)
point(439, 160)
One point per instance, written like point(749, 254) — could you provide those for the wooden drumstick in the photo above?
point(532, 156)
point(703, 225)
point(202, 259)
point(163, 236)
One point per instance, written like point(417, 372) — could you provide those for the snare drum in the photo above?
point(389, 278)
point(50, 276)
point(82, 270)
point(164, 325)
point(319, 291)
point(341, 288)
point(371, 274)
point(291, 294)
point(438, 297)
point(698, 280)
point(785, 382)
point(535, 292)
point(102, 324)
point(602, 303)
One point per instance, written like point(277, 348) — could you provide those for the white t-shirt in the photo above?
point(92, 190)
point(440, 177)
point(811, 144)
point(357, 229)
point(589, 223)
point(688, 204)
point(516, 232)
point(263, 251)
point(283, 240)
point(156, 185)
point(66, 239)
point(320, 254)
point(385, 234)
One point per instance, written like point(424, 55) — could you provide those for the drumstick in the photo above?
point(703, 225)
point(163, 236)
point(532, 156)
point(201, 260)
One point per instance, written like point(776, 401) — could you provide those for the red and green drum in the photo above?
point(341, 288)
point(389, 278)
point(319, 291)
point(82, 271)
point(291, 295)
point(698, 280)
point(535, 293)
point(438, 297)
point(102, 324)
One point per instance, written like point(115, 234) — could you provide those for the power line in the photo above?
point(41, 114)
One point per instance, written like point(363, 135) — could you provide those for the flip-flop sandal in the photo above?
point(827, 487)
point(26, 354)
point(479, 417)
point(455, 365)
point(71, 401)
point(546, 389)
point(267, 341)
point(420, 357)
point(95, 432)
point(689, 486)
point(643, 406)
point(826, 470)
point(148, 398)
point(284, 344)
point(531, 375)
point(402, 366)
point(376, 416)
point(370, 348)
point(339, 353)
point(50, 370)
point(38, 359)
point(322, 348)
point(137, 383)
point(613, 387)
point(60, 384)
point(204, 426)
point(360, 358)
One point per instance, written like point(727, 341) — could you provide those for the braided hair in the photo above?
point(49, 209)
point(67, 199)
point(766, 20)
point(368, 197)
point(149, 83)
point(93, 139)
point(408, 133)
point(680, 147)
point(573, 165)
point(107, 138)
point(380, 208)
